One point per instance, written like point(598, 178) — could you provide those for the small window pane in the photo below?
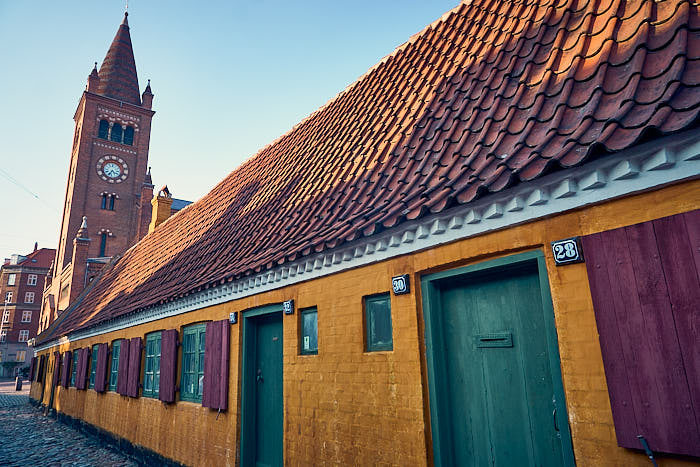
point(192, 377)
point(151, 374)
point(114, 367)
point(309, 331)
point(378, 323)
point(74, 367)
point(93, 366)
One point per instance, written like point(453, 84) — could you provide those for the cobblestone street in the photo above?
point(29, 438)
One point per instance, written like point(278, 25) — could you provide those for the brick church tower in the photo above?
point(108, 183)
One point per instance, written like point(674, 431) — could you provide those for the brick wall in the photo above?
point(345, 406)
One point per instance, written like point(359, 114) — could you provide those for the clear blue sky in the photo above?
point(228, 77)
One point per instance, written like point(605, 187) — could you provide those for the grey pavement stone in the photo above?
point(29, 438)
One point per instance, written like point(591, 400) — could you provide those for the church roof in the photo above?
point(117, 74)
point(492, 95)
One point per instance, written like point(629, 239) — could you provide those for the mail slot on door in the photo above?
point(496, 339)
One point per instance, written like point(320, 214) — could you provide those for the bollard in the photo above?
point(18, 383)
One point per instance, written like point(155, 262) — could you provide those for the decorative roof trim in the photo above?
point(661, 162)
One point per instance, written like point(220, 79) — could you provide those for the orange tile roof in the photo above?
point(493, 94)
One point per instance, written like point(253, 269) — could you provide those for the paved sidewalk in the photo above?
point(29, 438)
point(9, 397)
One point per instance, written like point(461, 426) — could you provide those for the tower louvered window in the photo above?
point(103, 131)
point(129, 136)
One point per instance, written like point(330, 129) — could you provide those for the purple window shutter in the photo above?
point(168, 365)
point(65, 375)
point(56, 368)
point(40, 371)
point(644, 281)
point(78, 366)
point(81, 370)
point(101, 370)
point(216, 355)
point(123, 371)
point(134, 373)
point(32, 368)
point(211, 350)
point(223, 365)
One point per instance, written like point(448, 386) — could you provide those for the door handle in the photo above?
point(259, 377)
point(554, 417)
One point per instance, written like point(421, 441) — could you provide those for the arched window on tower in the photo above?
point(104, 201)
point(111, 202)
point(129, 136)
point(116, 133)
point(103, 243)
point(103, 130)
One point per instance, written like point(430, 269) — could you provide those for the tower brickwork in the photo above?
point(108, 172)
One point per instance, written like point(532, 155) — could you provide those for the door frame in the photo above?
point(434, 347)
point(247, 445)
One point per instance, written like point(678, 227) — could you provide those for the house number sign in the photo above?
point(567, 251)
point(400, 284)
point(288, 307)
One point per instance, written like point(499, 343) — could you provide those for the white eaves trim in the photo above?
point(666, 160)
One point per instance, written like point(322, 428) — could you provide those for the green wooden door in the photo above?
point(492, 388)
point(262, 432)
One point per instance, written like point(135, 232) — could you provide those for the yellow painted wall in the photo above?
point(346, 406)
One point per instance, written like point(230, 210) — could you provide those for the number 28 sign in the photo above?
point(567, 251)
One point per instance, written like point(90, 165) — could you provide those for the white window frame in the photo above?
point(28, 297)
point(6, 316)
point(3, 335)
point(23, 335)
point(21, 353)
point(11, 279)
point(26, 316)
point(31, 279)
point(8, 297)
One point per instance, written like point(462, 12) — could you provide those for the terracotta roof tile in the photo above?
point(40, 258)
point(493, 94)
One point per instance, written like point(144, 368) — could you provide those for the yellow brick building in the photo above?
point(438, 267)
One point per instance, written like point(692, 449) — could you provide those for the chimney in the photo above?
point(161, 208)
point(81, 243)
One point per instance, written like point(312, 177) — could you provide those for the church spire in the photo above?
point(118, 77)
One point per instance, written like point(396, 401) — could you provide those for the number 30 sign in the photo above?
point(567, 251)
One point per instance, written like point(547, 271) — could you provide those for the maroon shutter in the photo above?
point(65, 376)
point(134, 373)
point(83, 366)
point(168, 365)
point(56, 368)
point(123, 371)
point(101, 370)
point(42, 369)
point(216, 354)
point(645, 287)
point(32, 368)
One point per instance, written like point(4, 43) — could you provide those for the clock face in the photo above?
point(112, 170)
